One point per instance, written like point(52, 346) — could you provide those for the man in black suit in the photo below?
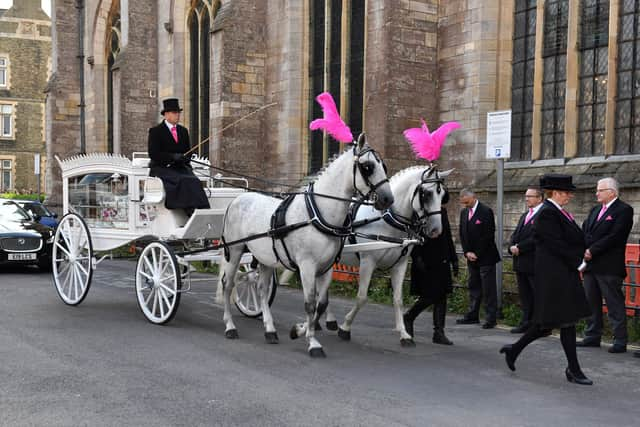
point(167, 144)
point(606, 231)
point(523, 249)
point(477, 230)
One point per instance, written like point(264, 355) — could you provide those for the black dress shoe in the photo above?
point(466, 321)
point(586, 343)
point(578, 378)
point(617, 348)
point(508, 356)
point(440, 338)
point(636, 354)
point(519, 329)
point(488, 325)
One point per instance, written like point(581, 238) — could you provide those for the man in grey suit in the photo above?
point(606, 230)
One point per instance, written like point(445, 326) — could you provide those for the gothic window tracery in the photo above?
point(113, 46)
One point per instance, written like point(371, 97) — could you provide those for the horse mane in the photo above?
point(406, 171)
point(316, 176)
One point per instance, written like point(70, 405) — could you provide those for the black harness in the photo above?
point(279, 229)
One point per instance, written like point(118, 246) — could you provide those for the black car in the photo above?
point(23, 241)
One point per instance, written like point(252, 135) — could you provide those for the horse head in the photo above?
point(427, 200)
point(370, 175)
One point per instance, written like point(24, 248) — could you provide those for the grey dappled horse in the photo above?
point(418, 194)
point(314, 246)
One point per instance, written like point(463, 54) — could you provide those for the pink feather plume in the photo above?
point(332, 123)
point(427, 145)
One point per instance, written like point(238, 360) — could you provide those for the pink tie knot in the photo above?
point(602, 211)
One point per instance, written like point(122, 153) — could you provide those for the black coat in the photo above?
point(182, 188)
point(607, 239)
point(523, 238)
point(477, 235)
point(431, 264)
point(559, 298)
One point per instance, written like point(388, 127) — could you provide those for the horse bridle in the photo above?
point(427, 178)
point(357, 166)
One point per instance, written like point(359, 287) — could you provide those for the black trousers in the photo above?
point(525, 289)
point(597, 286)
point(439, 311)
point(482, 282)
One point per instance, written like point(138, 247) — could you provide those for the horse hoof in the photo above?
point(407, 342)
point(293, 333)
point(318, 327)
point(317, 352)
point(345, 335)
point(332, 325)
point(271, 337)
point(232, 334)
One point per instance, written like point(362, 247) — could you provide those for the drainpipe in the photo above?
point(80, 7)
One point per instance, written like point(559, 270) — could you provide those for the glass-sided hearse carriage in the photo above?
point(110, 201)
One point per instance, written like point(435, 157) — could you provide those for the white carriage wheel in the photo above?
point(245, 293)
point(158, 283)
point(72, 259)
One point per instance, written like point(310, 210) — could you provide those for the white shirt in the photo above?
point(170, 126)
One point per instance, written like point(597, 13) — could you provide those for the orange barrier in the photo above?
point(631, 283)
point(345, 273)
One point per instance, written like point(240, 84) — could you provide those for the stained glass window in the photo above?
point(554, 78)
point(592, 100)
point(627, 139)
point(524, 40)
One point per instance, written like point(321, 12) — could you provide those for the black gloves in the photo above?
point(179, 159)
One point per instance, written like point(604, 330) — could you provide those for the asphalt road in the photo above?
point(102, 363)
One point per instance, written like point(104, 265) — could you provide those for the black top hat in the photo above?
point(170, 104)
point(554, 181)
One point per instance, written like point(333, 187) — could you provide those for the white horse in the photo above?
point(315, 237)
point(416, 211)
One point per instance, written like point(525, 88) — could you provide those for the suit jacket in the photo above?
point(161, 145)
point(559, 298)
point(523, 238)
point(477, 235)
point(607, 238)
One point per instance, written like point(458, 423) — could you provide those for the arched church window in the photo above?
point(554, 59)
point(199, 23)
point(524, 42)
point(114, 37)
point(592, 100)
point(627, 132)
point(336, 65)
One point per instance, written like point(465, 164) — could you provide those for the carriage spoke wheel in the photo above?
point(245, 294)
point(72, 259)
point(158, 283)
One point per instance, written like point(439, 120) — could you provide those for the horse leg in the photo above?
point(330, 320)
point(366, 271)
point(228, 278)
point(397, 277)
point(322, 283)
point(264, 279)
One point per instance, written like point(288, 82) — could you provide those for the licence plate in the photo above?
point(22, 257)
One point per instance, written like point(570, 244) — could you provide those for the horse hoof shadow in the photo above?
point(293, 333)
point(231, 334)
point(407, 342)
point(332, 325)
point(271, 337)
point(345, 335)
point(317, 352)
point(318, 327)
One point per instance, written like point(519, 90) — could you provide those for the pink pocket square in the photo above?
point(478, 222)
point(608, 218)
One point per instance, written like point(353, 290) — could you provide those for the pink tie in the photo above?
point(470, 213)
point(529, 215)
point(174, 132)
point(567, 214)
point(602, 211)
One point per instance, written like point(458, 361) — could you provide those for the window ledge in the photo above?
point(617, 158)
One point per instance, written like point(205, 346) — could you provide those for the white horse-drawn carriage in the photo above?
point(110, 201)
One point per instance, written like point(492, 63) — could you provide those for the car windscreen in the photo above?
point(11, 212)
point(35, 209)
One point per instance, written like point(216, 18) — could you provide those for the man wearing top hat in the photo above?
point(167, 144)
